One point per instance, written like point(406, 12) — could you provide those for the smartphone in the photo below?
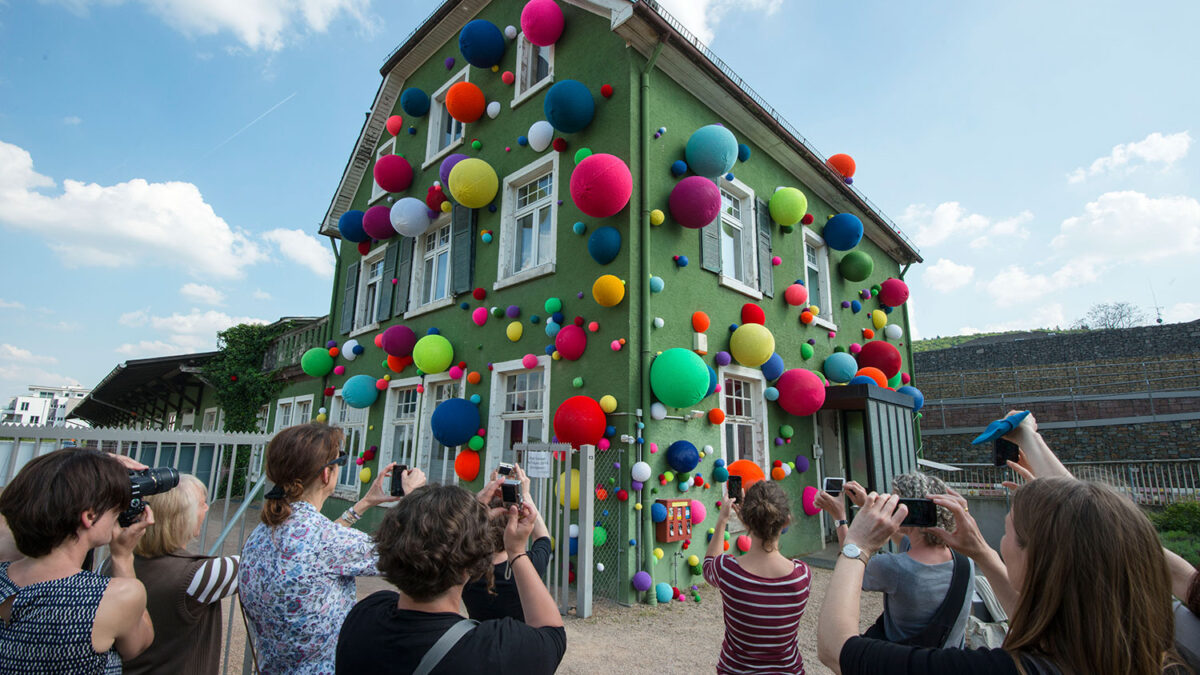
point(510, 492)
point(921, 513)
point(734, 488)
point(834, 485)
point(1003, 450)
point(397, 478)
point(505, 469)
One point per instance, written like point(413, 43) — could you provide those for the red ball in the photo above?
point(560, 144)
point(395, 124)
point(507, 77)
point(233, 378)
point(329, 391)
point(579, 420)
point(465, 102)
point(606, 91)
point(752, 313)
point(801, 392)
point(893, 292)
point(622, 495)
point(479, 294)
point(807, 219)
point(843, 164)
point(364, 247)
point(571, 341)
point(393, 173)
point(881, 355)
point(698, 481)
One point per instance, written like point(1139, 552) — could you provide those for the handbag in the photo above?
point(981, 632)
point(937, 631)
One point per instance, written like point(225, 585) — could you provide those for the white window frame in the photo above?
point(388, 148)
point(749, 236)
point(366, 323)
point(418, 269)
point(216, 419)
point(387, 438)
point(356, 435)
point(24, 405)
point(260, 420)
point(525, 52)
point(825, 302)
point(754, 377)
point(437, 105)
point(496, 414)
point(293, 405)
point(505, 277)
point(425, 438)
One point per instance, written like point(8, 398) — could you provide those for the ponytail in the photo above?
point(293, 462)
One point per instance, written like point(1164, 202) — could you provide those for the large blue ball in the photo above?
point(743, 152)
point(604, 244)
point(843, 232)
point(863, 379)
point(481, 43)
point(454, 421)
point(840, 367)
point(855, 306)
point(683, 456)
point(414, 102)
point(351, 227)
point(711, 151)
point(663, 592)
point(918, 397)
point(359, 391)
point(658, 512)
point(569, 106)
point(773, 368)
point(712, 380)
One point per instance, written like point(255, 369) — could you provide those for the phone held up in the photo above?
point(397, 480)
point(504, 469)
point(734, 488)
point(833, 485)
point(1003, 450)
point(921, 513)
point(510, 492)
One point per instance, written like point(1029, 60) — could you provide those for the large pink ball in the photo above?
point(695, 202)
point(796, 294)
point(479, 316)
point(377, 222)
point(893, 292)
point(881, 355)
point(398, 341)
point(542, 22)
point(698, 512)
point(801, 392)
point(393, 173)
point(601, 185)
point(570, 342)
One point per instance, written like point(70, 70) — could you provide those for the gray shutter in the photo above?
point(710, 245)
point(766, 282)
point(349, 295)
point(462, 249)
point(383, 311)
point(404, 246)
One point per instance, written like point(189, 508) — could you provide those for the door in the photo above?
point(435, 459)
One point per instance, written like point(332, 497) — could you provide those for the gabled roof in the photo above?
point(135, 382)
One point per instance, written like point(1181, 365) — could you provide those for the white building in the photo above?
point(44, 406)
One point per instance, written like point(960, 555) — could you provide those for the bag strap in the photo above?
point(444, 644)
point(938, 629)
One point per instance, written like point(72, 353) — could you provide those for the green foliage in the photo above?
point(933, 344)
point(1184, 544)
point(1182, 517)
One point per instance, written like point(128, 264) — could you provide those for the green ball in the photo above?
point(839, 348)
point(476, 443)
point(577, 382)
point(894, 381)
point(476, 144)
point(806, 351)
point(856, 266)
point(786, 431)
point(679, 378)
point(553, 305)
point(875, 291)
point(720, 474)
point(599, 536)
point(316, 362)
point(788, 205)
point(582, 154)
point(433, 354)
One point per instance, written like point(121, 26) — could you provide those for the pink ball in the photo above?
point(594, 326)
point(809, 501)
point(377, 222)
point(393, 173)
point(743, 543)
point(507, 77)
point(777, 261)
point(339, 370)
point(796, 295)
point(604, 444)
point(395, 124)
point(616, 345)
point(905, 378)
point(381, 384)
point(455, 373)
point(695, 202)
point(801, 392)
point(542, 22)
point(570, 342)
point(398, 341)
point(529, 361)
point(698, 512)
point(653, 448)
point(601, 185)
point(479, 316)
point(893, 292)
point(855, 348)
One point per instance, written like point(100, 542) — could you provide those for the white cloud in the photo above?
point(1153, 149)
point(1014, 286)
point(946, 275)
point(931, 227)
point(123, 225)
point(702, 16)
point(1042, 315)
point(1131, 226)
point(1181, 312)
point(72, 120)
point(260, 294)
point(14, 353)
point(1012, 228)
point(303, 249)
point(135, 318)
point(200, 293)
point(10, 304)
point(182, 333)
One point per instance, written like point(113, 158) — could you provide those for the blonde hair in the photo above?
point(175, 518)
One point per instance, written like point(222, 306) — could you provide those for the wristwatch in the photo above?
point(839, 523)
point(853, 551)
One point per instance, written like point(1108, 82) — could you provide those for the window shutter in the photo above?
point(349, 295)
point(389, 282)
point(710, 246)
point(462, 249)
point(766, 282)
point(404, 246)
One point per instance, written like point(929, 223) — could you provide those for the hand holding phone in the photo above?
point(510, 492)
point(921, 513)
point(833, 485)
point(398, 480)
point(1005, 450)
point(734, 487)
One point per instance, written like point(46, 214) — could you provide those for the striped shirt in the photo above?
point(762, 617)
point(215, 579)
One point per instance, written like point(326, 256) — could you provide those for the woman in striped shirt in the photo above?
point(763, 593)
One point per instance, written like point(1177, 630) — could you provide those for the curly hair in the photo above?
point(765, 511)
point(917, 485)
point(437, 537)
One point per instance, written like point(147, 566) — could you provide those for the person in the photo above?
point(430, 546)
point(503, 600)
point(297, 567)
point(763, 593)
point(1185, 584)
point(184, 591)
point(56, 617)
point(1083, 579)
point(919, 606)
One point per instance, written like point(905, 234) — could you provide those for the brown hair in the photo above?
point(1096, 595)
point(294, 461)
point(175, 518)
point(765, 511)
point(916, 485)
point(43, 502)
point(436, 537)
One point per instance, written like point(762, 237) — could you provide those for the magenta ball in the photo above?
point(698, 512)
point(529, 361)
point(601, 185)
point(479, 316)
point(695, 202)
point(393, 173)
point(339, 370)
point(447, 164)
point(398, 341)
point(570, 342)
point(542, 22)
point(801, 392)
point(881, 355)
point(377, 222)
point(893, 292)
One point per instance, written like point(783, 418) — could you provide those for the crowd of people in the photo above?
point(1086, 586)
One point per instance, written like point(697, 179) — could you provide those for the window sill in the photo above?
point(525, 275)
point(362, 330)
point(532, 91)
point(825, 323)
point(730, 282)
point(444, 151)
point(377, 198)
point(426, 308)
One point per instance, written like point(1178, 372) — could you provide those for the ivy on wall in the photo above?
point(242, 387)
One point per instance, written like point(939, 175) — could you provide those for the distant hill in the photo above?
point(933, 344)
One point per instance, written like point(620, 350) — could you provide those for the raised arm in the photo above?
point(968, 540)
point(716, 545)
point(836, 508)
point(122, 619)
point(1182, 575)
point(1040, 459)
point(539, 526)
point(536, 602)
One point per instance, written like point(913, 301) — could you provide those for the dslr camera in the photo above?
point(143, 484)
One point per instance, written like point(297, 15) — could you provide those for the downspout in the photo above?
point(911, 367)
point(337, 274)
point(644, 297)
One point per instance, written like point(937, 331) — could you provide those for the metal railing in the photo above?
point(1147, 482)
point(287, 349)
point(1055, 379)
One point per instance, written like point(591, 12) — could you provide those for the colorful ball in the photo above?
point(642, 581)
point(893, 292)
point(399, 341)
point(601, 185)
point(640, 472)
point(881, 355)
point(872, 373)
point(465, 102)
point(447, 165)
point(663, 592)
point(749, 472)
point(481, 43)
point(466, 465)
point(842, 163)
point(350, 226)
point(359, 391)
point(695, 202)
point(569, 106)
point(843, 232)
point(540, 134)
point(801, 392)
point(604, 244)
point(377, 223)
point(700, 321)
point(808, 501)
point(682, 456)
point(840, 367)
point(796, 295)
point(579, 420)
point(608, 291)
point(414, 102)
point(514, 330)
point(316, 362)
point(752, 344)
point(752, 313)
point(395, 124)
point(918, 397)
point(409, 216)
point(433, 354)
point(454, 421)
point(711, 151)
point(878, 318)
point(571, 341)
point(473, 183)
point(699, 512)
point(856, 266)
point(679, 378)
point(542, 22)
point(393, 173)
point(658, 513)
point(787, 206)
point(608, 403)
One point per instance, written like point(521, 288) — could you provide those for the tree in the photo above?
point(1112, 315)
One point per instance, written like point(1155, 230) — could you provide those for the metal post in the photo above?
point(585, 568)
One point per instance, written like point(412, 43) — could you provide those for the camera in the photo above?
point(505, 469)
point(921, 513)
point(510, 492)
point(734, 487)
point(143, 484)
point(834, 485)
point(397, 480)
point(1004, 450)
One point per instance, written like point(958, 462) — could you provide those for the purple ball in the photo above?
point(801, 464)
point(446, 166)
point(778, 440)
point(512, 312)
point(449, 62)
point(723, 358)
point(845, 304)
point(695, 202)
point(811, 341)
point(377, 222)
point(642, 581)
point(331, 344)
point(636, 485)
point(399, 341)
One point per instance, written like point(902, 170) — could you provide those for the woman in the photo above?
point(430, 546)
point(1083, 579)
point(763, 593)
point(298, 567)
point(184, 591)
point(54, 616)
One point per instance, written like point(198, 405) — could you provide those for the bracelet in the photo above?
point(350, 515)
point(508, 572)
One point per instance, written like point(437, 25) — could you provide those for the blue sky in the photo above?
point(164, 163)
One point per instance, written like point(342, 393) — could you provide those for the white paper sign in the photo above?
point(537, 464)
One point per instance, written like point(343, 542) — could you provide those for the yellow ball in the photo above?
point(658, 553)
point(814, 309)
point(365, 474)
point(447, 207)
point(556, 356)
point(387, 378)
point(657, 217)
point(608, 403)
point(574, 488)
point(878, 319)
point(514, 331)
point(495, 69)
point(752, 344)
point(321, 417)
point(473, 183)
point(693, 560)
point(637, 506)
point(608, 290)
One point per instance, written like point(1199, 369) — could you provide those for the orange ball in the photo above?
point(749, 471)
point(806, 317)
point(465, 102)
point(466, 465)
point(700, 322)
point(843, 164)
point(778, 474)
point(875, 374)
point(868, 333)
point(474, 377)
point(716, 416)
point(397, 364)
point(334, 351)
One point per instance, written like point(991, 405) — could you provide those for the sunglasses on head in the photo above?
point(340, 460)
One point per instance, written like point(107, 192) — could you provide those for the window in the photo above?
point(24, 405)
point(816, 277)
point(35, 419)
point(431, 264)
point(445, 132)
point(45, 394)
point(283, 418)
point(260, 420)
point(290, 412)
point(435, 459)
point(353, 421)
point(739, 238)
point(370, 278)
point(388, 148)
point(399, 443)
point(745, 417)
point(535, 69)
point(210, 420)
point(522, 413)
point(527, 229)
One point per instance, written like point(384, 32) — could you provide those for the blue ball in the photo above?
point(610, 431)
point(681, 261)
point(414, 102)
point(773, 368)
point(481, 43)
point(534, 318)
point(569, 106)
point(454, 421)
point(855, 306)
point(574, 545)
point(557, 317)
point(433, 330)
point(359, 391)
point(682, 456)
point(840, 367)
point(549, 350)
point(663, 591)
point(604, 244)
point(657, 284)
point(464, 305)
point(412, 131)
point(552, 329)
point(771, 394)
point(729, 176)
point(719, 462)
point(886, 309)
point(712, 380)
point(843, 232)
point(579, 227)
point(679, 167)
point(918, 397)
point(351, 227)
point(743, 152)
point(522, 141)
point(711, 151)
point(658, 512)
point(863, 379)
point(358, 349)
point(476, 398)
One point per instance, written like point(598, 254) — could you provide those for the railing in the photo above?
point(1147, 483)
point(287, 349)
point(1055, 380)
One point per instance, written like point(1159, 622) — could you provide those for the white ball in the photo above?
point(540, 135)
point(599, 567)
point(658, 322)
point(348, 350)
point(658, 411)
point(640, 472)
point(322, 411)
point(493, 109)
point(574, 530)
point(510, 32)
point(410, 217)
point(708, 449)
point(893, 331)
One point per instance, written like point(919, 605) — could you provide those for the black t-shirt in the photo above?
point(482, 606)
point(377, 637)
point(876, 657)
